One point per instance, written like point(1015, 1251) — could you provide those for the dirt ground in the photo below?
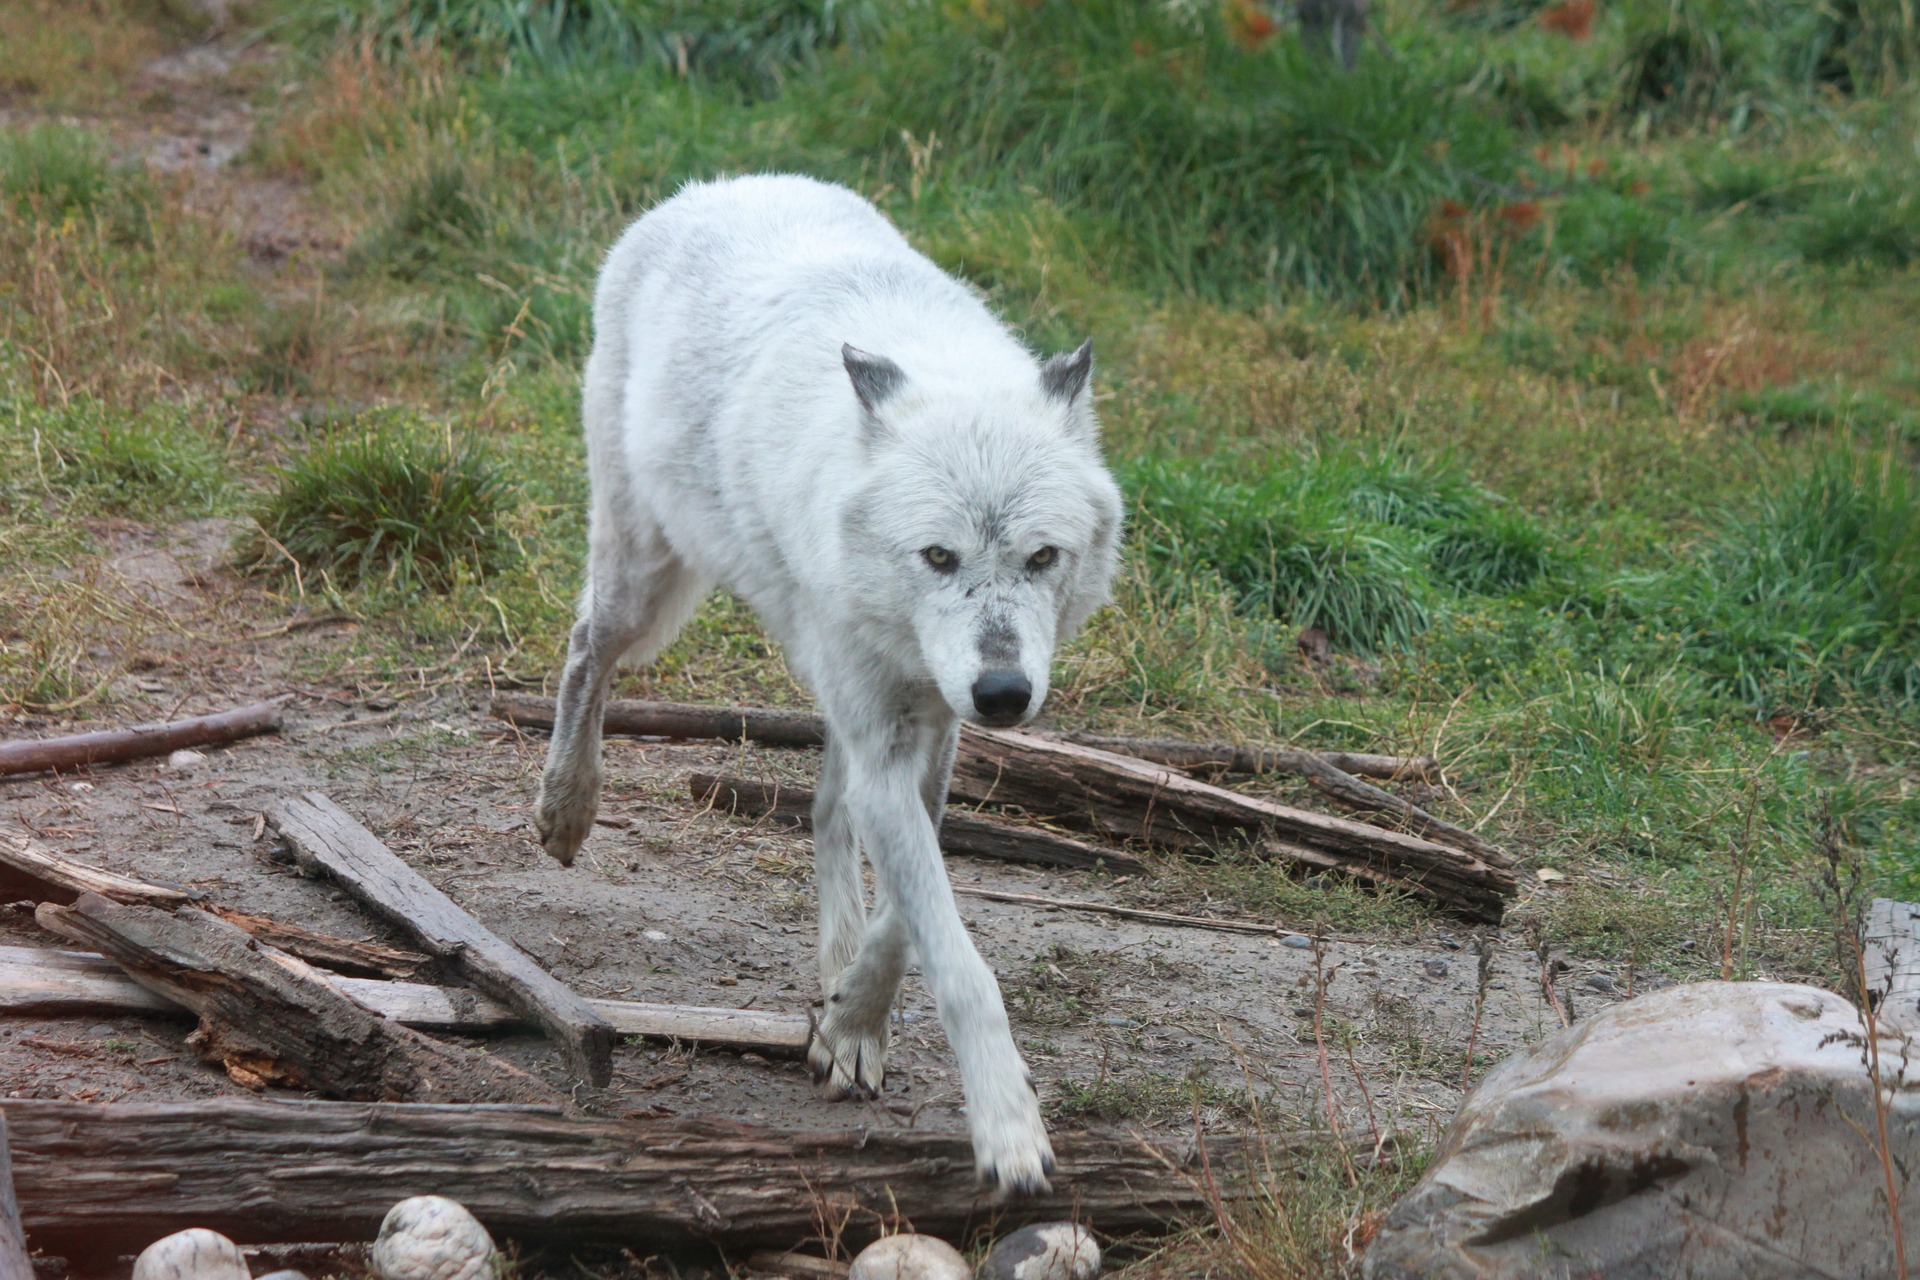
point(1127, 1025)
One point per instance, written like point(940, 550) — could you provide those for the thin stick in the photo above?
point(1133, 913)
point(1320, 1046)
point(113, 746)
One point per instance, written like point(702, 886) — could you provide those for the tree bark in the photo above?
point(52, 878)
point(37, 980)
point(96, 1180)
point(15, 1264)
point(324, 836)
point(960, 833)
point(111, 746)
point(1119, 798)
point(270, 1019)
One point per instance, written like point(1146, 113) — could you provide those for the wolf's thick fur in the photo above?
point(785, 398)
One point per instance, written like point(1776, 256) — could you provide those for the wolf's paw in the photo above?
point(1011, 1153)
point(847, 1060)
point(562, 818)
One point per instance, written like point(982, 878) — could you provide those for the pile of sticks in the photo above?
point(1121, 792)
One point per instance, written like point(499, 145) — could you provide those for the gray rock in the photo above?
point(1599, 982)
point(283, 1275)
point(1434, 968)
point(1298, 941)
point(910, 1257)
point(1044, 1251)
point(1711, 1131)
point(194, 1254)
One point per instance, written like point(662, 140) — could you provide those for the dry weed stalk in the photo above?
point(1483, 979)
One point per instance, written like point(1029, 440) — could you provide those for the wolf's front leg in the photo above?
point(859, 969)
point(885, 796)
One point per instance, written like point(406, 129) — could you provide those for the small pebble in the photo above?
point(80, 788)
point(1436, 968)
point(910, 1257)
point(1044, 1251)
point(1451, 944)
point(198, 1254)
point(1600, 982)
point(653, 935)
point(283, 1275)
point(1298, 941)
point(185, 760)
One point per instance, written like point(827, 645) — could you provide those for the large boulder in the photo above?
point(1722, 1129)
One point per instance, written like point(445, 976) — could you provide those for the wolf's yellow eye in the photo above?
point(942, 559)
point(1042, 558)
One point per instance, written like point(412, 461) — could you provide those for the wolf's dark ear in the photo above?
point(876, 379)
point(1065, 376)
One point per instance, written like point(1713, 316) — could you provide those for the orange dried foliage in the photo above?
point(1250, 24)
point(1570, 18)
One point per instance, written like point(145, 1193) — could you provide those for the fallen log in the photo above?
point(1121, 799)
point(324, 837)
point(40, 981)
point(100, 1179)
point(1224, 757)
point(15, 1264)
point(781, 727)
point(60, 880)
point(1326, 772)
point(960, 833)
point(270, 1019)
point(114, 746)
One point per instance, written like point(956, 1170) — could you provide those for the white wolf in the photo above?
point(785, 398)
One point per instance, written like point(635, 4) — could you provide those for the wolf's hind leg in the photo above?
point(639, 594)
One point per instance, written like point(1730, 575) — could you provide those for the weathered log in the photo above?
point(15, 1264)
point(112, 746)
point(781, 727)
point(60, 880)
point(1120, 798)
point(268, 1018)
point(770, 726)
point(323, 836)
point(38, 980)
point(1890, 940)
point(1325, 771)
point(1142, 914)
point(798, 1266)
point(960, 833)
point(1225, 758)
point(100, 1179)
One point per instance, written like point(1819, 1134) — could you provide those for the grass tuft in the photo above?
point(399, 505)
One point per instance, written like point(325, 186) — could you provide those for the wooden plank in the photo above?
point(100, 1179)
point(324, 837)
point(41, 981)
point(1123, 799)
point(1225, 757)
point(112, 746)
point(969, 834)
point(271, 1019)
point(62, 880)
point(1142, 914)
point(1890, 938)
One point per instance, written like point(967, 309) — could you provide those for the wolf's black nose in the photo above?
point(1000, 696)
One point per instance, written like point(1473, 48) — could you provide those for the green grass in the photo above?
point(398, 505)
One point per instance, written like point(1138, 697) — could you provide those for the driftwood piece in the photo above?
point(1120, 798)
point(15, 1264)
point(112, 746)
point(1890, 942)
point(38, 980)
point(61, 880)
point(780, 727)
point(324, 836)
point(799, 1266)
point(99, 1179)
point(960, 833)
point(271, 1019)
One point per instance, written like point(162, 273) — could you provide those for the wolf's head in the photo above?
point(989, 526)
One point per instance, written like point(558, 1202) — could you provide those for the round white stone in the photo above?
point(185, 760)
point(431, 1238)
point(197, 1254)
point(1044, 1251)
point(910, 1257)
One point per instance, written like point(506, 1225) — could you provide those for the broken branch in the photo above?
point(112, 746)
point(1131, 913)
